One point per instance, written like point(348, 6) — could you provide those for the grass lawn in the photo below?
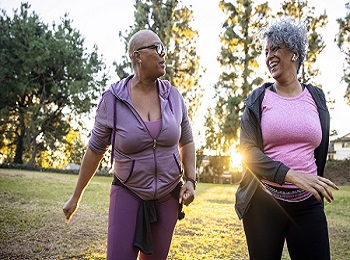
point(32, 224)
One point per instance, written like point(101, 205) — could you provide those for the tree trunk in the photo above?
point(34, 150)
point(19, 150)
point(18, 159)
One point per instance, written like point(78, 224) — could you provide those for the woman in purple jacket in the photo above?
point(146, 121)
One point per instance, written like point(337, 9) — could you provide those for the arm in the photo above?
point(313, 184)
point(188, 158)
point(259, 164)
point(251, 148)
point(88, 167)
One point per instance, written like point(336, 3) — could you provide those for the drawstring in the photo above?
point(170, 105)
point(114, 129)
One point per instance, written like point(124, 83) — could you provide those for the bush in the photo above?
point(338, 171)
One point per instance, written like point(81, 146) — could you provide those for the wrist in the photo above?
point(188, 179)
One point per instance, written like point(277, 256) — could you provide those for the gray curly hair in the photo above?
point(293, 35)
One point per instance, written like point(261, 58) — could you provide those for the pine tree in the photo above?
point(238, 59)
point(171, 21)
point(301, 11)
point(343, 41)
point(44, 73)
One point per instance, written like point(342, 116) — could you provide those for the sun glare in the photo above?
point(236, 158)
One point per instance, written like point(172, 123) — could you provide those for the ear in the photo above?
point(295, 55)
point(137, 56)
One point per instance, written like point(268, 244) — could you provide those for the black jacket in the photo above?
point(256, 164)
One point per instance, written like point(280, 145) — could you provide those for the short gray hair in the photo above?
point(292, 34)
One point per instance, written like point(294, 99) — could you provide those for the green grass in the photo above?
point(32, 224)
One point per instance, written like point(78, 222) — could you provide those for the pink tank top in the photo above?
point(291, 131)
point(153, 127)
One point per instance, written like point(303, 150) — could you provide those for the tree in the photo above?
point(47, 79)
point(343, 41)
point(171, 22)
point(301, 11)
point(238, 56)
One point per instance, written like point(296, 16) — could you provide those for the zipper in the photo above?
point(154, 146)
point(155, 169)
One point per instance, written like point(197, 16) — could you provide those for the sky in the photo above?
point(100, 22)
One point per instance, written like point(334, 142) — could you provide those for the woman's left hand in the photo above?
point(186, 193)
point(316, 185)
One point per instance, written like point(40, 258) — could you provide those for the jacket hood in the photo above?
point(120, 90)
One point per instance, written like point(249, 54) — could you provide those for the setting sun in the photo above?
point(236, 158)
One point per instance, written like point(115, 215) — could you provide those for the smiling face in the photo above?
point(280, 61)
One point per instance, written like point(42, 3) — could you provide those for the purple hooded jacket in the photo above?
point(150, 168)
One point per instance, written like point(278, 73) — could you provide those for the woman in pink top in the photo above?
point(284, 142)
point(145, 119)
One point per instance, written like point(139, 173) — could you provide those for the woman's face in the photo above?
point(279, 60)
point(152, 54)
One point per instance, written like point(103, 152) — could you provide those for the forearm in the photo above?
point(188, 158)
point(88, 168)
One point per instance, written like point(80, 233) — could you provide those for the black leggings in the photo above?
point(269, 222)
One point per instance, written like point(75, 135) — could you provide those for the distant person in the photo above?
point(145, 119)
point(284, 139)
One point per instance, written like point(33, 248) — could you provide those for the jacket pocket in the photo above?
point(177, 163)
point(124, 170)
point(123, 167)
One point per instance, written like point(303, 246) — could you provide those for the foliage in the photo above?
point(343, 41)
point(171, 22)
point(47, 79)
point(216, 167)
point(219, 164)
point(33, 224)
point(238, 56)
point(302, 11)
point(334, 167)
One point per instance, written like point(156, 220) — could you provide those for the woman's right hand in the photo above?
point(69, 208)
point(312, 183)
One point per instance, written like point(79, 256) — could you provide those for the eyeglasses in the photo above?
point(160, 48)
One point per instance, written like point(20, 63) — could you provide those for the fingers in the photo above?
point(69, 209)
point(316, 194)
point(67, 214)
point(329, 183)
point(181, 195)
point(186, 195)
point(316, 185)
point(323, 186)
point(188, 198)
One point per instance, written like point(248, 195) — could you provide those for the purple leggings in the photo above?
point(122, 222)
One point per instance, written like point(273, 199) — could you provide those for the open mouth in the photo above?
point(273, 65)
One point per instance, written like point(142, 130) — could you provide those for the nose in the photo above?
point(269, 54)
